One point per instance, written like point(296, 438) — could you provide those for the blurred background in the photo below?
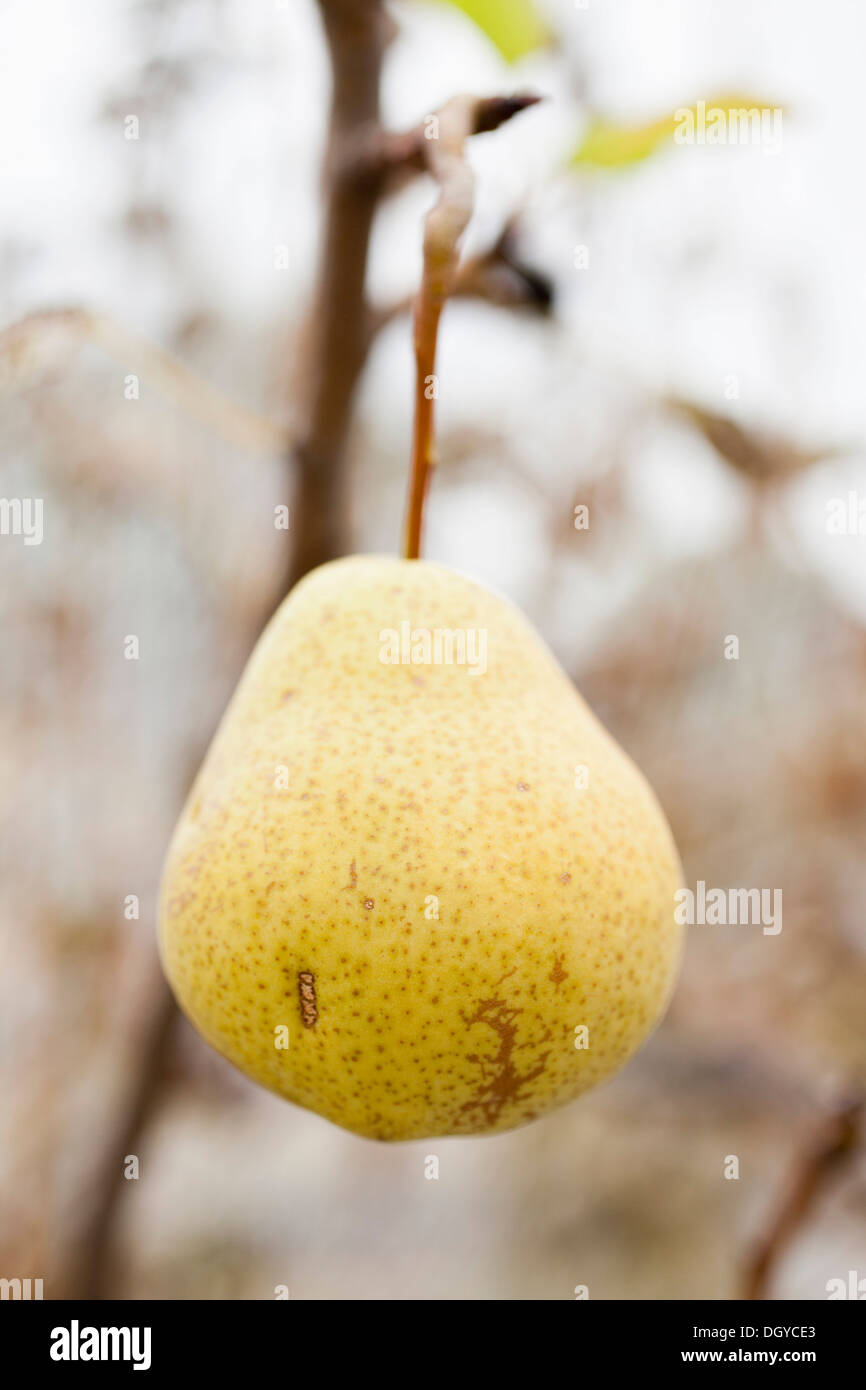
point(671, 335)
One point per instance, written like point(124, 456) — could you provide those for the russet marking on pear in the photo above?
point(307, 992)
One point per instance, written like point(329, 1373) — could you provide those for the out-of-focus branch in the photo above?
point(761, 457)
point(498, 277)
point(401, 154)
point(336, 342)
point(152, 1032)
point(444, 146)
point(25, 346)
point(501, 278)
point(832, 1141)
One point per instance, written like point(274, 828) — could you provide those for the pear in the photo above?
point(417, 887)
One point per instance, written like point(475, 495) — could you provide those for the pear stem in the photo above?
point(427, 317)
point(445, 136)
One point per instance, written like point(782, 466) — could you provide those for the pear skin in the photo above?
point(418, 894)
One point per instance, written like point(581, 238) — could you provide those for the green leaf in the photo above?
point(607, 145)
point(514, 26)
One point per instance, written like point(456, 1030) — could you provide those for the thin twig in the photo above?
point(25, 343)
point(91, 1277)
point(497, 276)
point(444, 147)
point(406, 152)
point(831, 1142)
point(758, 455)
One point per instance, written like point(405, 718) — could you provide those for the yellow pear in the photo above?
point(417, 887)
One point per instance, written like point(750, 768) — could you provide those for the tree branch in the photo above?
point(498, 277)
point(337, 340)
point(831, 1142)
point(397, 154)
point(761, 457)
point(153, 1034)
